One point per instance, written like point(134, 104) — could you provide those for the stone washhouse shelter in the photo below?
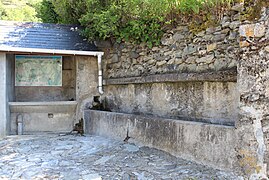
point(28, 52)
point(200, 96)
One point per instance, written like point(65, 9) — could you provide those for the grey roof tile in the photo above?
point(43, 36)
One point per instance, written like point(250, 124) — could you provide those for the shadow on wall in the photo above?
point(99, 104)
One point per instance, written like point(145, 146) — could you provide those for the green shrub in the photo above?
point(1, 9)
point(18, 10)
point(129, 20)
point(46, 12)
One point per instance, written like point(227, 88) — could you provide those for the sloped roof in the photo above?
point(42, 36)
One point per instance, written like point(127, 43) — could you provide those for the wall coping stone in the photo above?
point(180, 121)
point(219, 76)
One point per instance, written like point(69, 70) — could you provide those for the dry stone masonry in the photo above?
point(253, 74)
point(181, 50)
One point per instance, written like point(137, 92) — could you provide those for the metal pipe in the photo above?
point(100, 74)
point(20, 124)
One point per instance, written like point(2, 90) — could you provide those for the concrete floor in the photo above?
point(53, 156)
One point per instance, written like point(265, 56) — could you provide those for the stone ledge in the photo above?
point(43, 107)
point(220, 76)
point(43, 103)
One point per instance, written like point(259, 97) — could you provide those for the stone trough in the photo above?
point(205, 143)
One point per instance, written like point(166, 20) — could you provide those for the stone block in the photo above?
point(167, 41)
point(202, 68)
point(247, 30)
point(161, 63)
point(244, 44)
point(155, 49)
point(238, 7)
point(133, 54)
point(233, 35)
point(178, 36)
point(266, 49)
point(190, 49)
point(190, 60)
point(201, 34)
point(159, 57)
point(152, 61)
point(171, 61)
point(210, 30)
point(192, 67)
point(219, 37)
point(234, 24)
point(179, 61)
point(211, 47)
point(115, 58)
point(202, 52)
point(178, 54)
point(259, 30)
point(220, 64)
point(252, 30)
point(207, 59)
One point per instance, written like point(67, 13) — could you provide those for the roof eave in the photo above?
point(50, 51)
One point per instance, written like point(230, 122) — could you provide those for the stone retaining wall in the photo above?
point(176, 76)
point(191, 76)
point(213, 49)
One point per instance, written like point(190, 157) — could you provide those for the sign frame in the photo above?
point(35, 83)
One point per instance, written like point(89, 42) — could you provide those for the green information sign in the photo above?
point(38, 71)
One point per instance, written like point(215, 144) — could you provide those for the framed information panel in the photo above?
point(38, 70)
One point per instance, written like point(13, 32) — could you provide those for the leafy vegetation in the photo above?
point(131, 20)
point(19, 10)
point(1, 9)
point(124, 20)
point(46, 12)
point(253, 9)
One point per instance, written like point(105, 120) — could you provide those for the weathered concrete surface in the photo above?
point(43, 116)
point(10, 81)
point(64, 93)
point(88, 158)
point(214, 102)
point(3, 96)
point(209, 144)
point(6, 92)
point(86, 83)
